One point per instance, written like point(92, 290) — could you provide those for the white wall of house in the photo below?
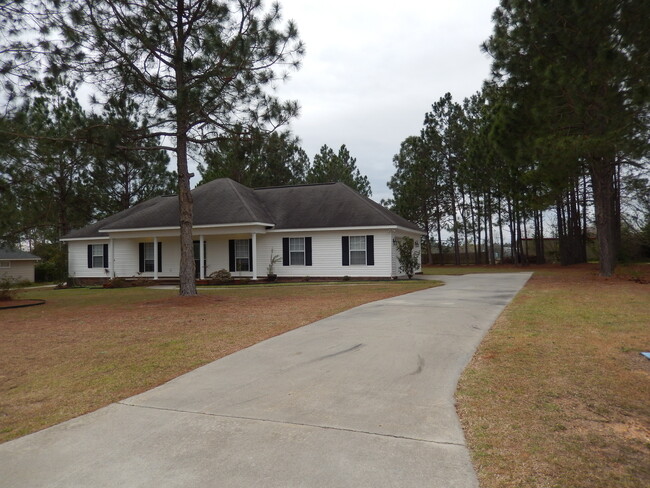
point(417, 249)
point(78, 260)
point(326, 255)
point(21, 270)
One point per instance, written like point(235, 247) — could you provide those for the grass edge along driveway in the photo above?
point(557, 393)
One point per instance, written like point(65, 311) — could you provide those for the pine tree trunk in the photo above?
point(500, 217)
point(187, 271)
point(602, 181)
point(492, 260)
point(442, 256)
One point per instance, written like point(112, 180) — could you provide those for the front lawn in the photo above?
point(87, 348)
point(558, 394)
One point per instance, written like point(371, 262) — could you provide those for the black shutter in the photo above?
point(308, 251)
point(159, 257)
point(285, 251)
point(141, 256)
point(250, 254)
point(90, 255)
point(231, 254)
point(370, 250)
point(345, 250)
point(105, 255)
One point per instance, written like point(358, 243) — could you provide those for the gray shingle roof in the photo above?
point(15, 254)
point(223, 201)
point(325, 205)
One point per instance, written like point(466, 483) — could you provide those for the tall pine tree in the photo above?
point(204, 68)
point(579, 71)
point(329, 166)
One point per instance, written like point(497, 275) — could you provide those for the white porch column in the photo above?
point(201, 258)
point(155, 258)
point(254, 256)
point(111, 257)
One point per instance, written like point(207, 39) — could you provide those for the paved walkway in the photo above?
point(361, 399)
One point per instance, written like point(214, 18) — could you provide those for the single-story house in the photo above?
point(321, 230)
point(16, 264)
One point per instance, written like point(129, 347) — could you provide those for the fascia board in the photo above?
point(349, 229)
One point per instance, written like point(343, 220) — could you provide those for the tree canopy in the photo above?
point(329, 166)
point(576, 73)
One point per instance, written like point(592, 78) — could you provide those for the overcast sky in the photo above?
point(373, 68)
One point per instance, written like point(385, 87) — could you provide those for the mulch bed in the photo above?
point(7, 304)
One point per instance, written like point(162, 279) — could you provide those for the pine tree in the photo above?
point(257, 159)
point(125, 177)
point(328, 166)
point(201, 68)
point(578, 72)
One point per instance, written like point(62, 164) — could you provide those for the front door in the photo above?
point(197, 258)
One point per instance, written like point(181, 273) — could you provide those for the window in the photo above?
point(98, 255)
point(148, 257)
point(5, 264)
point(357, 250)
point(147, 262)
point(297, 251)
point(242, 256)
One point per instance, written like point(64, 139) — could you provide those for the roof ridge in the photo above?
point(241, 198)
point(299, 185)
point(368, 202)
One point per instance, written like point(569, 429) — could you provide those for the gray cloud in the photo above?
point(373, 69)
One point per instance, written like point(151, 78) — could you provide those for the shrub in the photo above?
point(117, 282)
point(408, 260)
point(220, 277)
point(270, 269)
point(7, 288)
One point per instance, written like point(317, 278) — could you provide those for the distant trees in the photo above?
point(276, 159)
point(577, 73)
point(557, 128)
point(257, 159)
point(340, 167)
point(50, 183)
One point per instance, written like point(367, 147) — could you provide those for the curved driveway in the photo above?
point(360, 399)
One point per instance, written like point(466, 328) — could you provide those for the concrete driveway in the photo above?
point(361, 399)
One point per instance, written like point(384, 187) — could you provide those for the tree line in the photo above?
point(561, 127)
point(277, 159)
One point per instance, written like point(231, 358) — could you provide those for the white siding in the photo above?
point(78, 260)
point(326, 254)
point(19, 270)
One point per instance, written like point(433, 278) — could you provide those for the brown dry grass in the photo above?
point(87, 348)
point(558, 394)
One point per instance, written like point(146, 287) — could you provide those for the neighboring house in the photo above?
point(18, 265)
point(325, 230)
